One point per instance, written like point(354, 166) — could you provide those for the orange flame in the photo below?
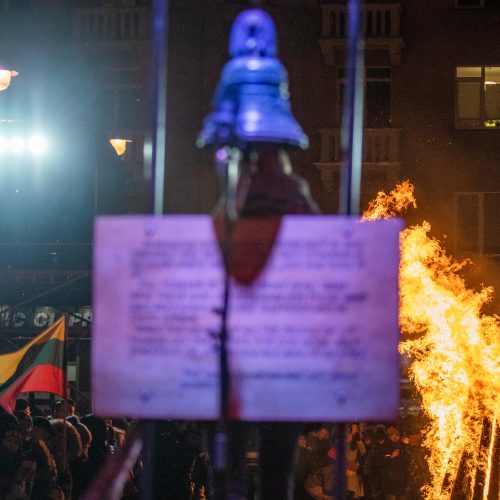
point(454, 349)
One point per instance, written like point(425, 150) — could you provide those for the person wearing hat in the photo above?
point(23, 405)
point(63, 408)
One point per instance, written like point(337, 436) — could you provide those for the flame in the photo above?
point(454, 351)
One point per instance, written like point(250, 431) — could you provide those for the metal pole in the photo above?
point(227, 163)
point(340, 464)
point(351, 137)
point(65, 394)
point(350, 178)
point(155, 171)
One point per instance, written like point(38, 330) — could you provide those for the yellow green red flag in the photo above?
point(36, 367)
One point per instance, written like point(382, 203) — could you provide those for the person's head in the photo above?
point(380, 434)
point(322, 433)
point(42, 429)
point(302, 441)
point(99, 430)
point(369, 436)
point(353, 436)
point(25, 422)
point(318, 439)
point(62, 409)
point(393, 434)
point(22, 405)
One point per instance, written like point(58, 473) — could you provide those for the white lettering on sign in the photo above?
point(313, 338)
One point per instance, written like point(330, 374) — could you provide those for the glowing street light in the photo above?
point(20, 144)
point(17, 145)
point(120, 145)
point(37, 145)
point(6, 76)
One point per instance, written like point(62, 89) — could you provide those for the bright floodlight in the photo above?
point(37, 144)
point(17, 145)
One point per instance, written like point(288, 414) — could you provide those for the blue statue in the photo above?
point(252, 100)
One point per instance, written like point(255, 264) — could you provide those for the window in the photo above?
point(377, 96)
point(477, 3)
point(477, 217)
point(478, 97)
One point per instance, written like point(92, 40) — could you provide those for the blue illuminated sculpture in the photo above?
point(252, 101)
point(250, 129)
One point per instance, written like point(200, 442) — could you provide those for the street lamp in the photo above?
point(6, 76)
point(120, 145)
point(20, 144)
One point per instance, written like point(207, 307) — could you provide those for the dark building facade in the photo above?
point(432, 110)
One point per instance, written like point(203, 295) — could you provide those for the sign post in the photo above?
point(155, 173)
point(350, 175)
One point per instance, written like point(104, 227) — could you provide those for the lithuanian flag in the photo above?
point(37, 367)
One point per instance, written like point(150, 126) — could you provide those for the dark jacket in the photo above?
point(394, 469)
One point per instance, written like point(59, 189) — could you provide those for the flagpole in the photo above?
point(350, 175)
point(65, 392)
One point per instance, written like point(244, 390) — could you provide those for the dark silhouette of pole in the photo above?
point(351, 138)
point(227, 161)
point(351, 134)
point(156, 169)
point(155, 172)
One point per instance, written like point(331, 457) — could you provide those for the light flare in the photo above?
point(454, 351)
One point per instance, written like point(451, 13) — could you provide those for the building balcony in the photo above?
point(381, 159)
point(111, 24)
point(381, 27)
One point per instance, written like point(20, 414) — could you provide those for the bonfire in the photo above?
point(455, 356)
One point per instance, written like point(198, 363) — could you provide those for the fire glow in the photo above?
point(454, 351)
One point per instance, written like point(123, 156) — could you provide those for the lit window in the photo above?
point(478, 97)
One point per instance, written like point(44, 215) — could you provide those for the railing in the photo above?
point(379, 145)
point(111, 23)
point(46, 277)
point(29, 261)
point(380, 20)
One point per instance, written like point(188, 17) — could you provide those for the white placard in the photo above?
point(313, 338)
